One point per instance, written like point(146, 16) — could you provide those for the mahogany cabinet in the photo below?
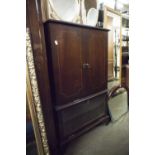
point(77, 66)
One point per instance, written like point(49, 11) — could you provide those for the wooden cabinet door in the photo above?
point(66, 56)
point(95, 47)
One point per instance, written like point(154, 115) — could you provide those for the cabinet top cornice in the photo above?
point(75, 24)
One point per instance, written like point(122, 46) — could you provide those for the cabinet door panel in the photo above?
point(96, 47)
point(67, 62)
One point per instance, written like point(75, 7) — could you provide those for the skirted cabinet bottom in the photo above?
point(79, 116)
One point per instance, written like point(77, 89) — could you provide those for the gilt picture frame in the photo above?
point(34, 102)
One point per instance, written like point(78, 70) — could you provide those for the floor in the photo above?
point(112, 139)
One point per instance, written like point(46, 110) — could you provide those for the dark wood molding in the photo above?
point(76, 25)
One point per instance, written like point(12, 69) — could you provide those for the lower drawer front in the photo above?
point(76, 117)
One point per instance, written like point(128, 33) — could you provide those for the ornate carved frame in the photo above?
point(34, 101)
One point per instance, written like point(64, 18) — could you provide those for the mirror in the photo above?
point(65, 10)
point(92, 17)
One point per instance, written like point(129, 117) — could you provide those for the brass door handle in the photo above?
point(86, 66)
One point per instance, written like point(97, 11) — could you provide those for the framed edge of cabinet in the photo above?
point(106, 10)
point(33, 100)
